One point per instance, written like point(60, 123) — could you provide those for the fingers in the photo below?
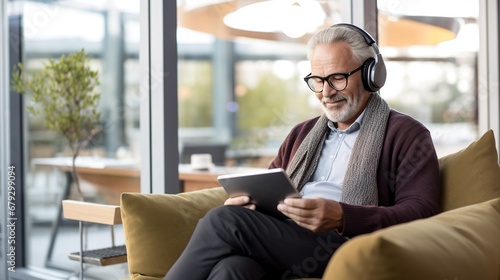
point(250, 206)
point(300, 203)
point(295, 213)
point(297, 207)
point(240, 201)
point(237, 200)
point(313, 214)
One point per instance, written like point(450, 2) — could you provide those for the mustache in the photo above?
point(334, 98)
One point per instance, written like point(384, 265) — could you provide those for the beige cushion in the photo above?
point(471, 175)
point(158, 226)
point(459, 244)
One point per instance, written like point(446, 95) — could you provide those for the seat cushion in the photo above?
point(471, 175)
point(459, 244)
point(158, 226)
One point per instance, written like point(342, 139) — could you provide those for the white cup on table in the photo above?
point(201, 161)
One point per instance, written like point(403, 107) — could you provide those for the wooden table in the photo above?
point(106, 178)
point(192, 180)
point(111, 177)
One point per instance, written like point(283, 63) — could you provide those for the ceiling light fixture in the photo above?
point(294, 18)
point(297, 20)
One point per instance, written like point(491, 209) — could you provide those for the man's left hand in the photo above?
point(316, 214)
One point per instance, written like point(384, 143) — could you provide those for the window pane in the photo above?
point(195, 79)
point(432, 74)
point(240, 79)
point(109, 35)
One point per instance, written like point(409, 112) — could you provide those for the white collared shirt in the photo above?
point(328, 178)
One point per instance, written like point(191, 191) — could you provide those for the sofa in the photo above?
point(462, 242)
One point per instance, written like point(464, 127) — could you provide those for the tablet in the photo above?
point(266, 189)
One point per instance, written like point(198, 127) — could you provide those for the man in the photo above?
point(360, 167)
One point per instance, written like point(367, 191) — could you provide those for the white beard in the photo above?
point(348, 111)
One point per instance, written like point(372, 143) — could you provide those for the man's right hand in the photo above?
point(242, 200)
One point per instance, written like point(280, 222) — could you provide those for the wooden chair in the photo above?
point(99, 214)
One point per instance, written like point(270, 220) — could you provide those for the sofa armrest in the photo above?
point(157, 227)
point(459, 244)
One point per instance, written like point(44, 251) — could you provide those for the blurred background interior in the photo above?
point(240, 89)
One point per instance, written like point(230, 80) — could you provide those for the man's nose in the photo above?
point(328, 90)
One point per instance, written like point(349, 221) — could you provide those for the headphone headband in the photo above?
point(368, 38)
point(374, 72)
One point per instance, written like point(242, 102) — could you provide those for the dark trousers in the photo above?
point(232, 242)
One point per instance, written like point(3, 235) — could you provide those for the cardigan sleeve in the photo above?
point(408, 182)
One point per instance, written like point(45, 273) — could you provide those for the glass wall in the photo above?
point(432, 66)
point(109, 33)
point(431, 57)
point(240, 80)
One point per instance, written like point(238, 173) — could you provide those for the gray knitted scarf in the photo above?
point(360, 182)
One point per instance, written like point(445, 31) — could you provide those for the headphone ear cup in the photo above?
point(366, 74)
point(378, 74)
point(374, 74)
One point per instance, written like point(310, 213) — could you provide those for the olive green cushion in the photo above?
point(158, 226)
point(459, 244)
point(471, 175)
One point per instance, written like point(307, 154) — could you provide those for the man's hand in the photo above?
point(242, 200)
point(316, 214)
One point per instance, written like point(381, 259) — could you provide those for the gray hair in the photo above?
point(361, 51)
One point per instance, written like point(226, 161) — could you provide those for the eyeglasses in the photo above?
point(337, 81)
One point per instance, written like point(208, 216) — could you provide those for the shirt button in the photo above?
point(322, 178)
point(340, 135)
point(331, 156)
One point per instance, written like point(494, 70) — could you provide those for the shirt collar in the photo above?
point(356, 125)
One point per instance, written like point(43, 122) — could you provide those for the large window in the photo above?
point(431, 57)
point(108, 32)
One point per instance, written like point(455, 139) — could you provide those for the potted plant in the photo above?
point(63, 93)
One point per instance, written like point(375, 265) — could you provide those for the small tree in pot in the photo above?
point(63, 94)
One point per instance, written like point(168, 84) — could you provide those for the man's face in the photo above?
point(341, 107)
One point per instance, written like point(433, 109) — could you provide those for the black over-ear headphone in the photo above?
point(374, 73)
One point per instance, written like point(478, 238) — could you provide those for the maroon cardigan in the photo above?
point(407, 177)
